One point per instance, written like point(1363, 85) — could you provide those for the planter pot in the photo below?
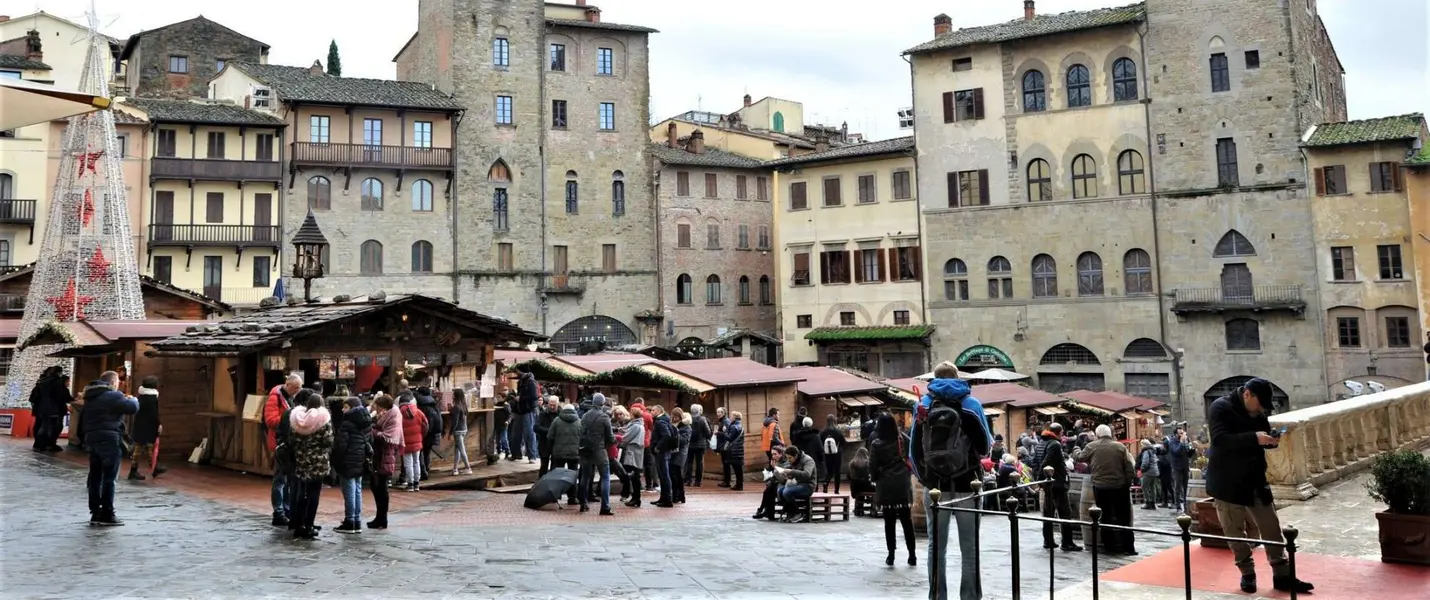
point(1404, 538)
point(1205, 521)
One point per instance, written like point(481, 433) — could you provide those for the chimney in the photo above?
point(747, 99)
point(672, 139)
point(593, 15)
point(844, 132)
point(580, 2)
point(316, 70)
point(942, 24)
point(4, 18)
point(697, 142)
point(1028, 11)
point(33, 46)
point(821, 141)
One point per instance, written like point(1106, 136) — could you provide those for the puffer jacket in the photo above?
point(544, 420)
point(633, 444)
point(429, 408)
point(734, 440)
point(414, 427)
point(596, 437)
point(808, 442)
point(311, 435)
point(699, 433)
point(104, 411)
point(771, 437)
point(665, 439)
point(565, 436)
point(352, 444)
point(683, 449)
point(387, 442)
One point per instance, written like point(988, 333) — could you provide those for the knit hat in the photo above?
point(598, 399)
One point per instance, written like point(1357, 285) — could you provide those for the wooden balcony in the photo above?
point(216, 169)
point(561, 284)
point(1260, 298)
point(380, 157)
point(12, 303)
point(266, 236)
point(18, 212)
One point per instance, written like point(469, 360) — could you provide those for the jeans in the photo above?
point(792, 493)
point(662, 470)
point(523, 426)
point(503, 445)
point(411, 468)
point(426, 458)
point(380, 497)
point(1179, 488)
point(970, 586)
point(1116, 505)
point(305, 502)
point(1233, 519)
point(282, 494)
point(352, 497)
point(105, 454)
point(459, 446)
point(587, 476)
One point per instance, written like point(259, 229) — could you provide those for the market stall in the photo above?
point(852, 399)
point(1129, 417)
point(363, 343)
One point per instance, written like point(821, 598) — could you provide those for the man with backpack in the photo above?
point(949, 438)
point(279, 402)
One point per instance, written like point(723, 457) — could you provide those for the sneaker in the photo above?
point(110, 521)
point(280, 521)
point(348, 527)
point(1248, 583)
point(1072, 548)
point(135, 476)
point(607, 512)
point(800, 518)
point(1287, 584)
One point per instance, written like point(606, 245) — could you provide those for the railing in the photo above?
point(217, 169)
point(18, 212)
point(356, 155)
point(561, 284)
point(1325, 443)
point(8, 269)
point(239, 296)
point(12, 303)
point(1249, 297)
point(213, 235)
point(1184, 522)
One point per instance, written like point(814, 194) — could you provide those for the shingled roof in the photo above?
point(299, 84)
point(711, 158)
point(599, 25)
point(892, 146)
point(1037, 26)
point(12, 61)
point(1383, 129)
point(184, 111)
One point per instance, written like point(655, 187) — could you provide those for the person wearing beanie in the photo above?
point(1147, 461)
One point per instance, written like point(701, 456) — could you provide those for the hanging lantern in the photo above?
point(309, 246)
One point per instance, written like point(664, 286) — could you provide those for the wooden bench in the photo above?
point(864, 505)
point(821, 506)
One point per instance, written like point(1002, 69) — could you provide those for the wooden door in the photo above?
point(263, 217)
point(163, 216)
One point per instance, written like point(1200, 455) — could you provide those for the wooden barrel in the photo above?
point(1080, 495)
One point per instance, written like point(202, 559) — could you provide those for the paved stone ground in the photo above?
point(212, 540)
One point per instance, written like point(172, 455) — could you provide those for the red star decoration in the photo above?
point(88, 161)
point(69, 306)
point(98, 265)
point(86, 209)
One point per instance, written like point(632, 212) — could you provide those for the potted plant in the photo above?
point(1401, 479)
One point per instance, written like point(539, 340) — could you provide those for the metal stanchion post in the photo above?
point(1185, 522)
point(1012, 505)
point(977, 542)
point(1290, 534)
point(1096, 514)
point(936, 553)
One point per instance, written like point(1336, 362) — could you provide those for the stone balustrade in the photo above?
point(1331, 441)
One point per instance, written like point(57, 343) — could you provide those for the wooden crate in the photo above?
point(824, 507)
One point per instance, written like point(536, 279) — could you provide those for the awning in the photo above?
point(857, 401)
point(1049, 410)
point(1130, 415)
point(1159, 412)
point(28, 103)
point(992, 412)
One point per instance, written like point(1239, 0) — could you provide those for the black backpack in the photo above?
point(946, 447)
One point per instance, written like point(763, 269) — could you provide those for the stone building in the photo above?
point(179, 59)
point(1364, 247)
point(372, 159)
point(716, 264)
point(769, 129)
point(1113, 235)
point(552, 194)
point(849, 266)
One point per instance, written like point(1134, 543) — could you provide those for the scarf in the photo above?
point(389, 427)
point(308, 421)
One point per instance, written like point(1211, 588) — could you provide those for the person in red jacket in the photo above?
point(648, 420)
point(279, 402)
point(414, 427)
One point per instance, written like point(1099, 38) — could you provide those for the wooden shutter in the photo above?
point(883, 265)
point(824, 267)
point(1375, 178)
point(978, 103)
point(801, 263)
point(948, 107)
point(952, 189)
point(892, 262)
point(1320, 181)
point(1395, 177)
point(983, 186)
point(858, 266)
point(916, 258)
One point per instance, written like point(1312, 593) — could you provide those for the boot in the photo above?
point(1288, 583)
point(158, 470)
point(377, 524)
point(134, 473)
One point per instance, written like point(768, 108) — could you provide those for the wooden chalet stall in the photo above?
point(363, 343)
point(99, 346)
point(1129, 417)
point(850, 398)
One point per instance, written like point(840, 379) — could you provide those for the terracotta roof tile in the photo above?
point(1037, 26)
point(300, 84)
point(1383, 129)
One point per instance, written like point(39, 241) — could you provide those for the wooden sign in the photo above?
point(347, 367)
point(253, 407)
point(275, 362)
point(327, 369)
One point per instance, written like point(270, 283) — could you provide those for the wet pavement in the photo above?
point(211, 539)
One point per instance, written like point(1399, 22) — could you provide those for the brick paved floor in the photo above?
point(204, 533)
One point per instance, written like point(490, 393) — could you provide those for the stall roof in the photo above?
point(1114, 402)
point(9, 330)
point(1019, 396)
point(732, 372)
point(273, 326)
point(826, 381)
point(908, 384)
point(606, 361)
point(85, 338)
point(512, 356)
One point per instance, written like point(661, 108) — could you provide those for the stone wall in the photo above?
point(203, 42)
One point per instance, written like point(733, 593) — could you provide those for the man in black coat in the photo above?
point(49, 401)
point(1055, 502)
point(1236, 479)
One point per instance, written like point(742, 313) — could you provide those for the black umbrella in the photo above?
point(550, 488)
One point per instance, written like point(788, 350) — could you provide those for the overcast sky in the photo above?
point(842, 66)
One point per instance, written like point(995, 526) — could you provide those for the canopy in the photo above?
point(996, 375)
point(961, 375)
point(27, 103)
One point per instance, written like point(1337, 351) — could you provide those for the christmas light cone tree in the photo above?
point(87, 269)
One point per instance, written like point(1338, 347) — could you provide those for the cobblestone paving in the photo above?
point(190, 543)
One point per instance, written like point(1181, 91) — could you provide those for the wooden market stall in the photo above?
point(1130, 417)
point(362, 342)
point(852, 399)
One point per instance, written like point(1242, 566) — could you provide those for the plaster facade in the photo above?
point(495, 58)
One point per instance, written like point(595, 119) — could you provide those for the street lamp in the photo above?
point(308, 245)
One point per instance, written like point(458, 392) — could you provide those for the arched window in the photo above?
point(500, 177)
point(1144, 348)
point(1040, 181)
point(573, 193)
point(1045, 277)
point(1233, 244)
point(1243, 334)
point(371, 194)
point(1063, 354)
point(744, 289)
point(7, 186)
point(1279, 399)
point(1236, 283)
point(1035, 97)
point(590, 334)
point(1124, 80)
point(320, 193)
point(1089, 274)
point(683, 290)
point(779, 122)
point(422, 257)
point(712, 289)
point(955, 280)
point(766, 292)
point(1137, 272)
point(1084, 176)
point(422, 196)
point(1130, 173)
point(618, 193)
point(1079, 87)
point(1000, 278)
point(499, 172)
point(370, 259)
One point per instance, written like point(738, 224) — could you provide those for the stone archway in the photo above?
point(591, 334)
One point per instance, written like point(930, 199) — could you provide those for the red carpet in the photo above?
point(1335, 577)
